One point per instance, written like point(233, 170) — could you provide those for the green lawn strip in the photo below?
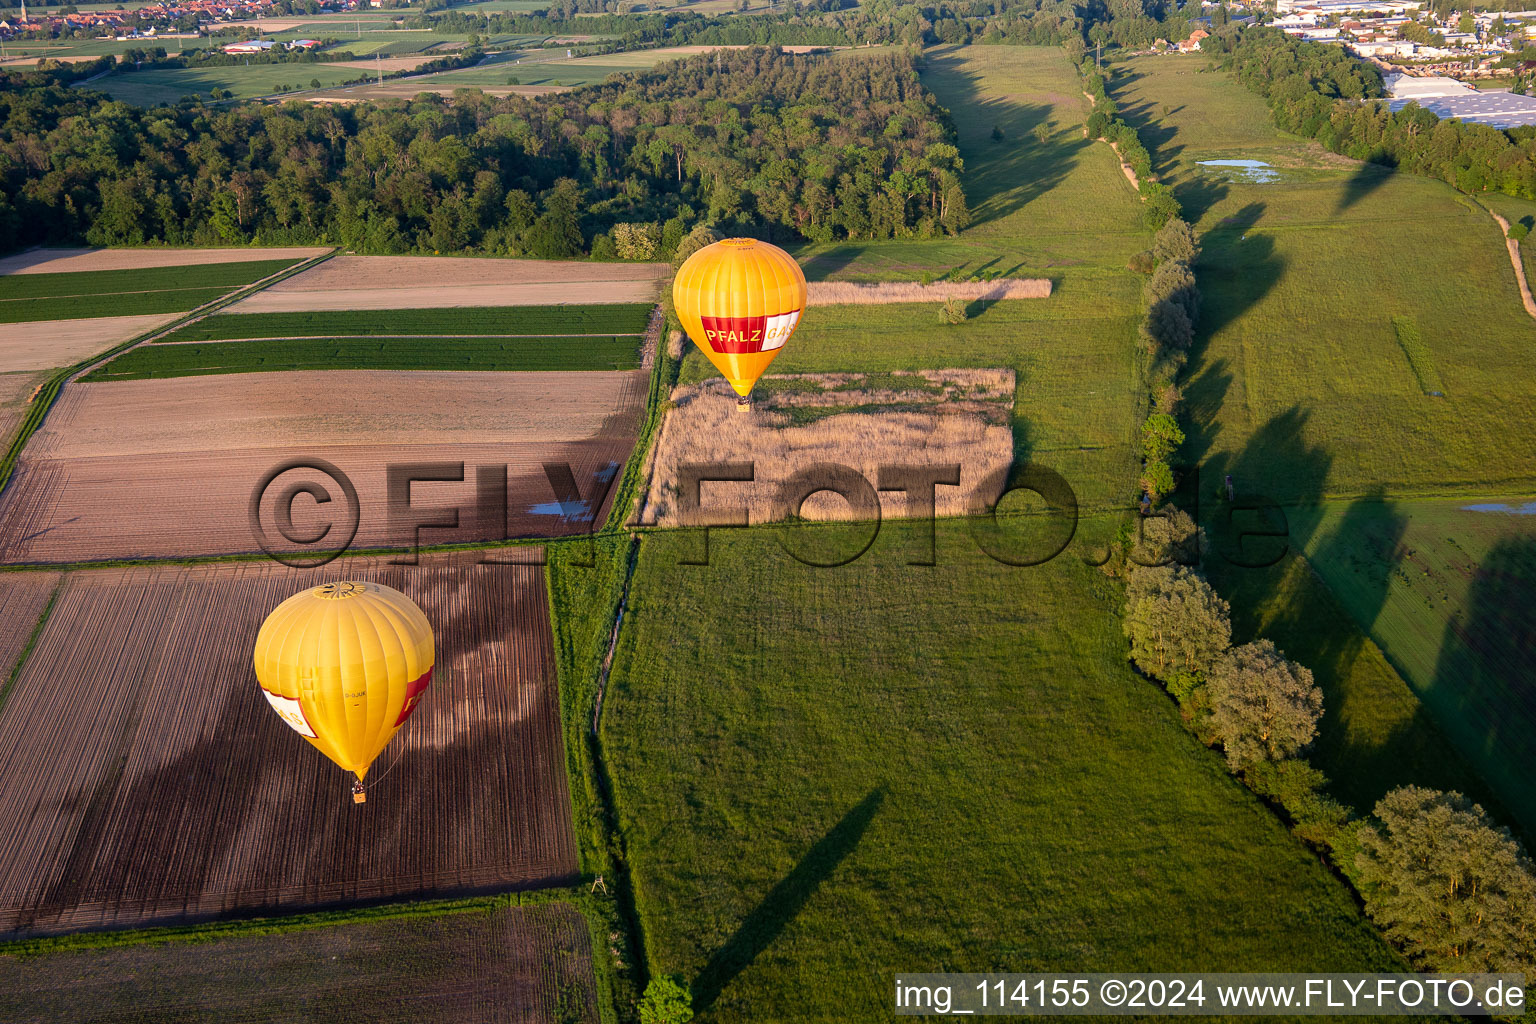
point(625, 318)
point(1418, 355)
point(827, 776)
point(43, 400)
point(472, 353)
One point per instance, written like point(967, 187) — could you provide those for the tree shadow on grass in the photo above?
point(1485, 677)
point(823, 265)
point(784, 901)
point(1237, 268)
point(1367, 178)
point(1002, 176)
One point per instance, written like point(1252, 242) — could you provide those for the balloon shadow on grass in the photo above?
point(784, 902)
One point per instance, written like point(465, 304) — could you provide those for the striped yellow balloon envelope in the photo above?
point(345, 664)
point(740, 300)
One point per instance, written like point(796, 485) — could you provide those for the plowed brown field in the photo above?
point(510, 965)
point(167, 468)
point(149, 781)
point(23, 596)
point(434, 282)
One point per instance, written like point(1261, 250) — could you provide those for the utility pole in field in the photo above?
point(378, 62)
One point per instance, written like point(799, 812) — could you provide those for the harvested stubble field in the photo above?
point(167, 468)
point(865, 421)
point(42, 345)
point(508, 965)
point(55, 261)
point(151, 782)
point(436, 282)
point(15, 392)
point(854, 293)
point(27, 298)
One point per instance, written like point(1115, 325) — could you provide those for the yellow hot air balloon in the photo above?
point(345, 664)
point(740, 300)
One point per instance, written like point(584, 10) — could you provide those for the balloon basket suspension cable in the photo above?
point(743, 403)
point(359, 794)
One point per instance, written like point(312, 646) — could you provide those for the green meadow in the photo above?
point(1444, 587)
point(827, 776)
point(1301, 384)
point(155, 86)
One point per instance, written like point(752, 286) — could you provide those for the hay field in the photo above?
point(151, 782)
point(1307, 282)
point(507, 965)
point(930, 418)
point(436, 282)
point(167, 468)
point(45, 344)
point(57, 261)
point(859, 293)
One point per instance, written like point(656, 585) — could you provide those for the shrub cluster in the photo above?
point(1105, 123)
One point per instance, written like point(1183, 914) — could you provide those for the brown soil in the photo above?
point(55, 261)
point(946, 417)
point(15, 392)
point(509, 965)
point(175, 478)
point(22, 599)
point(157, 785)
point(49, 343)
point(431, 282)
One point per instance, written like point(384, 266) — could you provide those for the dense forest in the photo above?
point(751, 140)
point(1321, 92)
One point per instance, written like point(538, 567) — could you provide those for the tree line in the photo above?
point(755, 141)
point(1322, 93)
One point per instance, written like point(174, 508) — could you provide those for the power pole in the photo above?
point(1098, 56)
point(378, 62)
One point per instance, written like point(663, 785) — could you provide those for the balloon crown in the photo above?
point(338, 591)
point(739, 243)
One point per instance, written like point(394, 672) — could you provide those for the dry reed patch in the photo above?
point(926, 419)
point(179, 479)
point(44, 344)
point(435, 282)
point(852, 293)
point(60, 261)
point(149, 780)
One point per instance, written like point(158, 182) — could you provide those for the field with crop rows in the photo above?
point(506, 964)
point(23, 597)
point(152, 87)
point(151, 781)
point(26, 298)
point(616, 318)
point(594, 352)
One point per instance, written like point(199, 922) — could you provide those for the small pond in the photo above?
point(1255, 171)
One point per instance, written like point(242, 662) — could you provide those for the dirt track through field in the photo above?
point(59, 261)
point(508, 965)
point(434, 282)
point(1514, 260)
point(149, 780)
point(41, 345)
point(164, 469)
